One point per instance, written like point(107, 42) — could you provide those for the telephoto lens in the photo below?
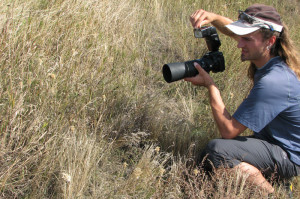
point(177, 71)
point(212, 61)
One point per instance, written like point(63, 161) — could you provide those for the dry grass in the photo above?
point(83, 105)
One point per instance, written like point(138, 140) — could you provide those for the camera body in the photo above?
point(211, 61)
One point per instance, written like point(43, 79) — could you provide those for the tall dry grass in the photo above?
point(85, 112)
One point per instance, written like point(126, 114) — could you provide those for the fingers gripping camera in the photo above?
point(211, 61)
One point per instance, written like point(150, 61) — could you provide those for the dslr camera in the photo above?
point(211, 61)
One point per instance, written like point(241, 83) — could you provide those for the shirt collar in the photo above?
point(266, 68)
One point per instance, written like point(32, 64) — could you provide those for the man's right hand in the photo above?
point(201, 18)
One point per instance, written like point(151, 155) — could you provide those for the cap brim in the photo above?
point(240, 28)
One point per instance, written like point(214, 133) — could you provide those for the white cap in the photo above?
point(243, 28)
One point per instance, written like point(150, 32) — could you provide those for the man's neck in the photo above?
point(260, 63)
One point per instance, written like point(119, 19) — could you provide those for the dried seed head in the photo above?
point(157, 149)
point(161, 171)
point(72, 128)
point(137, 172)
point(66, 177)
point(196, 172)
point(52, 76)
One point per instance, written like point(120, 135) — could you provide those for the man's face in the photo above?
point(254, 48)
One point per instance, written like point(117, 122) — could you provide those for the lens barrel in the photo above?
point(212, 61)
point(177, 71)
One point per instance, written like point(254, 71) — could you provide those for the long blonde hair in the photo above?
point(283, 47)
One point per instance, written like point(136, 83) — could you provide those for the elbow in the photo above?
point(227, 134)
point(231, 130)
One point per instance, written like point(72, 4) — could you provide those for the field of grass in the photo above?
point(86, 113)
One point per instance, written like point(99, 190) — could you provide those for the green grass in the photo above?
point(83, 104)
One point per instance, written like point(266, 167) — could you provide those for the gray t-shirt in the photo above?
point(272, 109)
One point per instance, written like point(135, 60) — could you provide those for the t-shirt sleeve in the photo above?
point(266, 100)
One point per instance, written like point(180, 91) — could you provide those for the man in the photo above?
point(271, 110)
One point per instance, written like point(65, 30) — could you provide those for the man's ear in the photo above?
point(272, 40)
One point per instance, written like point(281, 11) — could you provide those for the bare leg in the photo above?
point(255, 177)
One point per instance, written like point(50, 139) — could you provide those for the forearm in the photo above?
point(220, 22)
point(227, 125)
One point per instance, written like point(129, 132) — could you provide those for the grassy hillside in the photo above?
point(84, 109)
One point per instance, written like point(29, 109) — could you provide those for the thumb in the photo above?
point(203, 23)
point(199, 68)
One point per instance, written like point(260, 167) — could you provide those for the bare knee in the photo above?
point(248, 168)
point(255, 176)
